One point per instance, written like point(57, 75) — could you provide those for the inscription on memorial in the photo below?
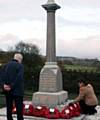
point(48, 80)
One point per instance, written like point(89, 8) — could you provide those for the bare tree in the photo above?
point(26, 48)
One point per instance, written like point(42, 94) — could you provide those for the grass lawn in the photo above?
point(80, 68)
point(2, 101)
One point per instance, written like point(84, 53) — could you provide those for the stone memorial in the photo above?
point(50, 91)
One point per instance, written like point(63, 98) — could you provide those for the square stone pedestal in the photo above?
point(49, 99)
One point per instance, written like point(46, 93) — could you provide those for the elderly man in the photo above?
point(12, 83)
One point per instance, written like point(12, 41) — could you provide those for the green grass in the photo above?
point(80, 68)
point(2, 101)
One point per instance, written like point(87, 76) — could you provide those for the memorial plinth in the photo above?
point(50, 85)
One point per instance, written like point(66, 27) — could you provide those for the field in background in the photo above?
point(80, 68)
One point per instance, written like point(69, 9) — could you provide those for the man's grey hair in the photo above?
point(18, 57)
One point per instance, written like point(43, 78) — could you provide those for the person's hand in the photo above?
point(7, 87)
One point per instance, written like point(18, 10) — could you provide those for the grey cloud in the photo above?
point(88, 47)
point(64, 22)
point(31, 9)
point(7, 41)
point(20, 9)
point(82, 3)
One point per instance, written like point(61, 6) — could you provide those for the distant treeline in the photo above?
point(76, 61)
point(72, 70)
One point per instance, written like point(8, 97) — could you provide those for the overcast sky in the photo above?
point(77, 26)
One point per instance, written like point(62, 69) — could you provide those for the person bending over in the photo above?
point(86, 98)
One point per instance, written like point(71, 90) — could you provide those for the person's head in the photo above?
point(82, 82)
point(18, 57)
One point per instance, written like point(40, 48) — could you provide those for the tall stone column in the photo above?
point(51, 8)
point(50, 85)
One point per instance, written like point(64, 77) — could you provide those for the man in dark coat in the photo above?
point(13, 86)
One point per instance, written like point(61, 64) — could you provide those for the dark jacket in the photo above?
point(12, 74)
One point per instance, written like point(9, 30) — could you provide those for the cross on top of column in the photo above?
point(50, 1)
